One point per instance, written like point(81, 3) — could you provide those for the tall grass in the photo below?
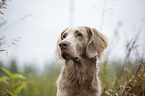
point(124, 79)
point(118, 79)
point(43, 84)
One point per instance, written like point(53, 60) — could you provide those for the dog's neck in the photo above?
point(83, 61)
point(82, 72)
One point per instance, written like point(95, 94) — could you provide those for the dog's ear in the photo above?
point(57, 51)
point(97, 43)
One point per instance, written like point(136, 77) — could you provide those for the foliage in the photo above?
point(2, 5)
point(11, 84)
point(124, 79)
point(43, 84)
point(128, 82)
point(118, 78)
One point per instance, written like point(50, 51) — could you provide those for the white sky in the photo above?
point(45, 19)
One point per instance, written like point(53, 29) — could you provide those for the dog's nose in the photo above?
point(63, 45)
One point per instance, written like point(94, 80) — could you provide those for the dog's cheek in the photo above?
point(80, 48)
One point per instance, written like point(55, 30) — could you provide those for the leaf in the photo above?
point(6, 82)
point(3, 78)
point(14, 76)
point(1, 13)
point(18, 89)
point(14, 43)
point(10, 93)
point(17, 83)
point(2, 50)
point(7, 71)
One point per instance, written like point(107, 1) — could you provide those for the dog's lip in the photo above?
point(67, 56)
point(76, 59)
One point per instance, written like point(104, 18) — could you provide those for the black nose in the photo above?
point(63, 45)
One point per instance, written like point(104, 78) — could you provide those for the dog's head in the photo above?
point(75, 42)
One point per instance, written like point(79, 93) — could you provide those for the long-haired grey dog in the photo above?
point(80, 46)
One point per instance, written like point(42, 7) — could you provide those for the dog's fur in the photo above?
point(79, 47)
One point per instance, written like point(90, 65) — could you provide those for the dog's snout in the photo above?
point(63, 45)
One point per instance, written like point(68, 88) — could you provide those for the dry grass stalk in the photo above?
point(136, 84)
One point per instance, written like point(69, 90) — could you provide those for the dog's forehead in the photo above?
point(77, 28)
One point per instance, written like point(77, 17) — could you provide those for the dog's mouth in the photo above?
point(67, 57)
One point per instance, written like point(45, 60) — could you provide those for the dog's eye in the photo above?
point(64, 36)
point(79, 34)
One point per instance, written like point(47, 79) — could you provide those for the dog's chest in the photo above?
point(78, 77)
point(77, 84)
point(78, 80)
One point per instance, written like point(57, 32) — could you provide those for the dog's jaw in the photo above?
point(67, 56)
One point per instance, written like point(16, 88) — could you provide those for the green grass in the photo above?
point(115, 80)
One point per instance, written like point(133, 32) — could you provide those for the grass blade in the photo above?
point(7, 71)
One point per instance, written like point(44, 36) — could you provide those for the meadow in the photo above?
point(118, 78)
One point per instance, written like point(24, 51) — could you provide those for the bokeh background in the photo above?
point(29, 30)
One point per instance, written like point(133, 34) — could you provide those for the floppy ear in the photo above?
point(57, 50)
point(97, 43)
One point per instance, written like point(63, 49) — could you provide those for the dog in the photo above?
point(80, 47)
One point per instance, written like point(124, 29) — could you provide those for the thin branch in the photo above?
point(17, 20)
